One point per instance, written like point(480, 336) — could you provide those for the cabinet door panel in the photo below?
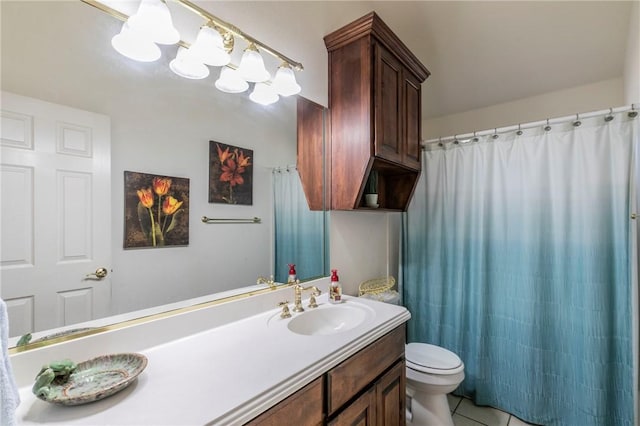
point(413, 121)
point(361, 412)
point(388, 108)
point(356, 373)
point(390, 397)
point(303, 408)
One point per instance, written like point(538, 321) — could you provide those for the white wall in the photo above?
point(590, 97)
point(364, 245)
point(632, 60)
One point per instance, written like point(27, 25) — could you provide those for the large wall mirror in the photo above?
point(161, 124)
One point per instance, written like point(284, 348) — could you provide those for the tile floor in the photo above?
point(466, 413)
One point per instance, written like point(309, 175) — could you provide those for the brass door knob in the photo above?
point(100, 273)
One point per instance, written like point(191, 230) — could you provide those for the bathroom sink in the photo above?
point(330, 319)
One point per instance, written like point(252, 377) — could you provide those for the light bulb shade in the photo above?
point(186, 66)
point(208, 48)
point(153, 20)
point(252, 66)
point(134, 45)
point(263, 94)
point(230, 81)
point(285, 82)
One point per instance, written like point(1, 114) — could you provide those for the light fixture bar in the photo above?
point(238, 32)
point(209, 17)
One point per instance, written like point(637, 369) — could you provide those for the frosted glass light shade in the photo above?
point(263, 94)
point(230, 81)
point(252, 66)
point(135, 46)
point(209, 48)
point(285, 82)
point(153, 20)
point(186, 66)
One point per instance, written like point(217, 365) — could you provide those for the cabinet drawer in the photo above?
point(350, 377)
point(303, 408)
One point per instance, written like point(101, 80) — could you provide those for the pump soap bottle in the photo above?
point(335, 289)
point(292, 274)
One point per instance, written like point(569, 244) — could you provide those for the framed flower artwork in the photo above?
point(230, 174)
point(156, 210)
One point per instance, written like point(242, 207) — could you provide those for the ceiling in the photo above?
point(485, 53)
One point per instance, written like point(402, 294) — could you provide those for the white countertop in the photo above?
point(224, 375)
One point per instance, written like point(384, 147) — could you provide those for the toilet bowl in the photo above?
point(432, 372)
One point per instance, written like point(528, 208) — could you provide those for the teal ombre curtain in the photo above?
point(299, 232)
point(517, 258)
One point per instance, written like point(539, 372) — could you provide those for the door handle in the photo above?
point(100, 273)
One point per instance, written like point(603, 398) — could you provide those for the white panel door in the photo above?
point(55, 228)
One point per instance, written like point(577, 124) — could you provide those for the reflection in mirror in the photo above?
point(154, 122)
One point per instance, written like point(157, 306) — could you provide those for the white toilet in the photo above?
point(432, 372)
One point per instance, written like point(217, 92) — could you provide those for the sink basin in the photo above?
point(330, 319)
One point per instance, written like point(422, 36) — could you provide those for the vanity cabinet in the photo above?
point(366, 389)
point(375, 377)
point(375, 114)
point(303, 408)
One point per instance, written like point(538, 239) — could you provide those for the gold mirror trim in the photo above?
point(142, 320)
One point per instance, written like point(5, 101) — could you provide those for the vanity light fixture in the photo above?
point(153, 20)
point(185, 65)
point(152, 23)
point(209, 47)
point(285, 83)
point(252, 65)
point(134, 45)
point(230, 81)
point(263, 94)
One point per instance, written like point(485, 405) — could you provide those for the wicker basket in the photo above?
point(377, 285)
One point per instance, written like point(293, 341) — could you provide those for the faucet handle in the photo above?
point(285, 309)
point(312, 301)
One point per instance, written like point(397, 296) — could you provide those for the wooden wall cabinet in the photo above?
point(366, 389)
point(375, 114)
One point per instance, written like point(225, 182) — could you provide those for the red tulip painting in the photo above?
point(230, 174)
point(156, 210)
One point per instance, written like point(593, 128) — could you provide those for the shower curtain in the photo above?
point(518, 259)
point(299, 232)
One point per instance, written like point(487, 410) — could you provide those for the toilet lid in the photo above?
point(425, 357)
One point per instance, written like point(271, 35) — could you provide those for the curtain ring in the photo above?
point(475, 138)
point(519, 132)
point(440, 141)
point(495, 133)
point(610, 116)
point(577, 123)
point(633, 113)
point(455, 140)
point(547, 127)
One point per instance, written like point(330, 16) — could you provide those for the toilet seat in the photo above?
point(432, 359)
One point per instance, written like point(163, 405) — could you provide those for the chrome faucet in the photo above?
point(297, 301)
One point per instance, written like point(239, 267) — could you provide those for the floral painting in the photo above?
point(230, 174)
point(156, 210)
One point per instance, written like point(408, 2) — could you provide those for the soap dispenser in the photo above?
point(292, 274)
point(335, 289)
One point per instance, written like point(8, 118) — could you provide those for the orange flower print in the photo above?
point(161, 185)
point(223, 155)
point(232, 173)
point(146, 197)
point(243, 161)
point(171, 205)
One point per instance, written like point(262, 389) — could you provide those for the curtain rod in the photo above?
point(523, 126)
point(287, 168)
